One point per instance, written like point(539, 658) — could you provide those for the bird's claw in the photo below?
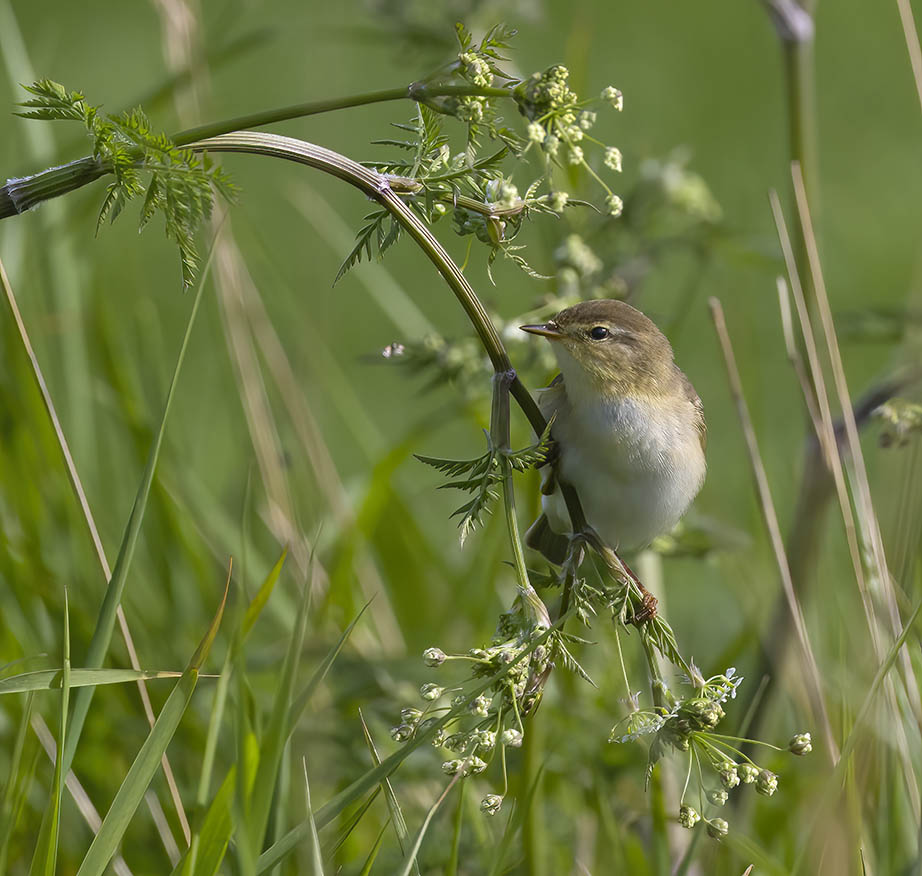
point(647, 609)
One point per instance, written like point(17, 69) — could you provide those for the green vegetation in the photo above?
point(372, 694)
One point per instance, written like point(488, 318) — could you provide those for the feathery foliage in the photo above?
point(174, 182)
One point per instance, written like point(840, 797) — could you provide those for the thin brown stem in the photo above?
point(770, 520)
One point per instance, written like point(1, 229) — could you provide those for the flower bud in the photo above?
point(430, 692)
point(536, 132)
point(401, 733)
point(434, 656)
point(800, 743)
point(614, 206)
point(586, 119)
point(491, 804)
point(475, 766)
point(729, 777)
point(410, 715)
point(485, 739)
point(688, 817)
point(458, 700)
point(718, 796)
point(767, 783)
point(457, 741)
point(575, 155)
point(613, 96)
point(718, 828)
point(747, 773)
point(613, 158)
point(512, 737)
point(703, 714)
point(479, 707)
point(450, 767)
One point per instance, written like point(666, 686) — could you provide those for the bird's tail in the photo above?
point(542, 538)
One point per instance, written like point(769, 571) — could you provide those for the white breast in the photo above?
point(636, 467)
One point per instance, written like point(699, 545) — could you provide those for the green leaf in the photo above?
point(410, 857)
point(18, 782)
point(302, 699)
point(211, 841)
point(313, 840)
point(258, 603)
point(375, 848)
point(277, 732)
point(182, 185)
point(44, 861)
point(142, 771)
point(393, 805)
point(51, 679)
point(105, 620)
point(363, 242)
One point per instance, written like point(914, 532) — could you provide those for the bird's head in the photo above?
point(609, 346)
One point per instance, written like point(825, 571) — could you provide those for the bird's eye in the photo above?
point(599, 333)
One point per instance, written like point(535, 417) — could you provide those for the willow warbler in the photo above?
point(628, 425)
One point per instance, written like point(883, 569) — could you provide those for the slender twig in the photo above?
point(77, 486)
point(771, 524)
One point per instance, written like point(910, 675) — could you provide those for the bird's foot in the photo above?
point(647, 609)
point(625, 573)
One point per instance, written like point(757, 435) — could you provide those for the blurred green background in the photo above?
point(106, 316)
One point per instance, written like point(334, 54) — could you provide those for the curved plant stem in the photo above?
point(19, 195)
point(381, 189)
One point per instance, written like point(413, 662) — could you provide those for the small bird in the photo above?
point(628, 425)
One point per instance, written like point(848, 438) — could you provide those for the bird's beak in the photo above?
point(547, 330)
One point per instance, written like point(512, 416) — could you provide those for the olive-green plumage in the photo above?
point(629, 426)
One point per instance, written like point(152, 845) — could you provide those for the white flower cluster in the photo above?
point(476, 69)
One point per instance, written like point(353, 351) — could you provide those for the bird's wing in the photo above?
point(551, 400)
point(700, 423)
point(552, 397)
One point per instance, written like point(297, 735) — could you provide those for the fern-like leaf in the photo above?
point(180, 184)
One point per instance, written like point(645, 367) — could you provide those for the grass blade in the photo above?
point(51, 679)
point(316, 865)
point(8, 806)
point(373, 854)
point(277, 733)
point(45, 859)
point(213, 845)
point(105, 621)
point(301, 701)
point(131, 792)
point(353, 821)
point(410, 859)
point(258, 603)
point(393, 806)
point(211, 841)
